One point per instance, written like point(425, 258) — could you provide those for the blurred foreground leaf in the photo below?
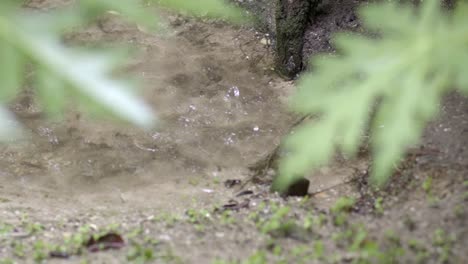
point(65, 75)
point(419, 55)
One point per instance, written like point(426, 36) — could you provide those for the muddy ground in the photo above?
point(222, 108)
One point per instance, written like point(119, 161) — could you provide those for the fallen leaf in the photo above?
point(105, 242)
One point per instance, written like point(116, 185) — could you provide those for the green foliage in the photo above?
point(427, 185)
point(444, 244)
point(64, 75)
point(140, 254)
point(341, 209)
point(378, 205)
point(419, 54)
point(278, 224)
point(32, 38)
point(343, 204)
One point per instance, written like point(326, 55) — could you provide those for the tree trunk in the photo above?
point(291, 21)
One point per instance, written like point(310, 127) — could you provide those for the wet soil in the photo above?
point(221, 109)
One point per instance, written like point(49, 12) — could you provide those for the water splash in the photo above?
point(49, 133)
point(229, 140)
point(232, 92)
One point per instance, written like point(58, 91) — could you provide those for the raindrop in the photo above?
point(208, 190)
point(230, 139)
point(235, 91)
point(49, 133)
point(156, 136)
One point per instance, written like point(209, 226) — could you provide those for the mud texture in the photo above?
point(174, 193)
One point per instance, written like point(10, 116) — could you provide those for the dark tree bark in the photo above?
point(291, 21)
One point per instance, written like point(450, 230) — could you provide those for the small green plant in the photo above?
point(444, 243)
point(340, 210)
point(278, 224)
point(465, 194)
point(19, 249)
point(459, 211)
point(386, 75)
point(73, 243)
point(227, 218)
point(112, 227)
point(5, 228)
point(140, 254)
point(308, 222)
point(427, 185)
point(355, 239)
point(300, 254)
point(360, 236)
point(33, 228)
point(170, 257)
point(378, 206)
point(343, 204)
point(319, 250)
point(198, 218)
point(422, 253)
point(258, 257)
point(320, 219)
point(169, 219)
point(41, 250)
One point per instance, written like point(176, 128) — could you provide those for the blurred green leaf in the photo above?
point(35, 36)
point(88, 74)
point(407, 69)
point(51, 93)
point(67, 75)
point(9, 6)
point(11, 71)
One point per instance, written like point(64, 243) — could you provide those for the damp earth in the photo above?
point(180, 193)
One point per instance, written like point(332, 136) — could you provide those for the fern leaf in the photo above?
point(88, 74)
point(408, 68)
point(60, 67)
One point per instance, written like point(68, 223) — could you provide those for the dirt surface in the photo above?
point(331, 17)
point(165, 192)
